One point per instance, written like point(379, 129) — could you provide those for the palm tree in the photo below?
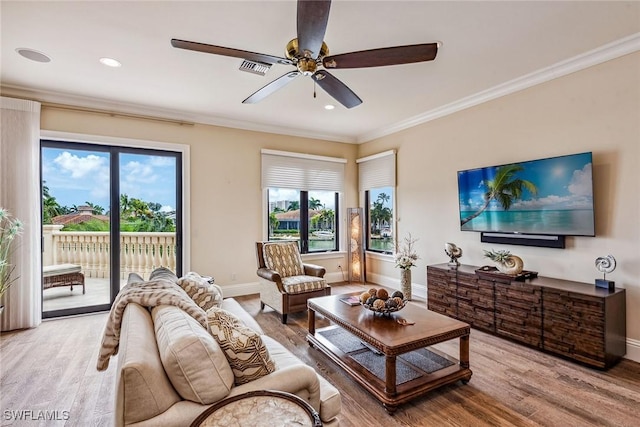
point(95, 209)
point(314, 204)
point(273, 222)
point(504, 188)
point(50, 206)
point(293, 206)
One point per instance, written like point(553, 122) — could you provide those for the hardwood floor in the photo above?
point(52, 368)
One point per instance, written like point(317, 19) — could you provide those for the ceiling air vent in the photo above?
point(254, 67)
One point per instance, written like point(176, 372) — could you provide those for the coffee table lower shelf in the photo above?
point(371, 369)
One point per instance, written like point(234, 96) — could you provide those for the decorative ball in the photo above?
point(373, 292)
point(371, 300)
point(391, 303)
point(364, 297)
point(382, 294)
point(399, 300)
point(398, 294)
point(378, 304)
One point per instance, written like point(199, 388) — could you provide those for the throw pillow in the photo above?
point(245, 351)
point(205, 294)
point(192, 359)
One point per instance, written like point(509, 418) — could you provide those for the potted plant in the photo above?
point(506, 263)
point(10, 228)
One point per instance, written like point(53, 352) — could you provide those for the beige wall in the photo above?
point(596, 110)
point(226, 209)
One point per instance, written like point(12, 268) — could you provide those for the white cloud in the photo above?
point(581, 182)
point(81, 167)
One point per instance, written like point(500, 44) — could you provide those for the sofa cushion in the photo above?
point(192, 359)
point(247, 355)
point(163, 273)
point(303, 284)
point(283, 258)
point(144, 390)
point(205, 294)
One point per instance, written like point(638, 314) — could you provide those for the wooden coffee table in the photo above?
point(385, 357)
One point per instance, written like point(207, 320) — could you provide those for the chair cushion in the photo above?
point(205, 294)
point(283, 258)
point(192, 359)
point(246, 353)
point(302, 284)
point(59, 269)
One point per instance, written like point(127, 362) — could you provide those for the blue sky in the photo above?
point(563, 183)
point(76, 176)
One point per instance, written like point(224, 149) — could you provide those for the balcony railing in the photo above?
point(140, 252)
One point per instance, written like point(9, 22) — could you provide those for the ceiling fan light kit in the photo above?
point(309, 54)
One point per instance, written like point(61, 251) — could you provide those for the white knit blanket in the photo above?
point(148, 294)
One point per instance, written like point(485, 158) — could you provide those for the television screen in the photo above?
point(551, 196)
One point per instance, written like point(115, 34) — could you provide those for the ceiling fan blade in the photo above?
point(312, 25)
point(336, 89)
point(384, 56)
point(267, 90)
point(227, 51)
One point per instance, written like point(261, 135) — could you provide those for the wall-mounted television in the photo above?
point(552, 196)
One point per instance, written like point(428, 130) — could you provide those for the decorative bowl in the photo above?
point(385, 310)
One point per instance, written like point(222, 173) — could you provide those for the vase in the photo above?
point(405, 283)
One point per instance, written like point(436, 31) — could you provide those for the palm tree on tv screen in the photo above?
point(503, 188)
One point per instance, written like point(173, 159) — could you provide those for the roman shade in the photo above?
point(378, 170)
point(281, 169)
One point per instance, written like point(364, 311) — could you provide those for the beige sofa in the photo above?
point(149, 395)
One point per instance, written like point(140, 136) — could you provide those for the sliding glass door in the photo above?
point(107, 211)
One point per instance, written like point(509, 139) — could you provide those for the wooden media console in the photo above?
point(571, 319)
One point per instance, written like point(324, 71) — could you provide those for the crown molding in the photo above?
point(593, 57)
point(150, 113)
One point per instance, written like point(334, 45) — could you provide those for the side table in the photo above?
point(261, 408)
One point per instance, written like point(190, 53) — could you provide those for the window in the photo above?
point(379, 217)
point(303, 194)
point(377, 176)
point(308, 217)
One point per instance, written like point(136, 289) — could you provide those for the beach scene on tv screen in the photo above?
point(547, 196)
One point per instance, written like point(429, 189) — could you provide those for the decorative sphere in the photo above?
point(371, 300)
point(391, 303)
point(364, 297)
point(378, 304)
point(373, 291)
point(399, 301)
point(382, 294)
point(398, 294)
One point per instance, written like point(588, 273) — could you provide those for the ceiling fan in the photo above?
point(309, 54)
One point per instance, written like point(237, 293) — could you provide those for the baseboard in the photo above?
point(633, 350)
point(239, 289)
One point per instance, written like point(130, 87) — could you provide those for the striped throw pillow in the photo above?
point(205, 294)
point(245, 351)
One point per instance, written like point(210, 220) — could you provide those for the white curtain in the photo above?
point(20, 195)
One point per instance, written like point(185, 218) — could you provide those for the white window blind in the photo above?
point(378, 170)
point(303, 172)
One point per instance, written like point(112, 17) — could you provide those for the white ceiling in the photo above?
point(485, 44)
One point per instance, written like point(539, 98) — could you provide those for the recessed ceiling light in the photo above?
point(329, 107)
point(110, 62)
point(33, 55)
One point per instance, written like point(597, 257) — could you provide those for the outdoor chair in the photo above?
point(54, 276)
point(285, 282)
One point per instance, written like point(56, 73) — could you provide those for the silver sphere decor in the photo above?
point(605, 264)
point(453, 252)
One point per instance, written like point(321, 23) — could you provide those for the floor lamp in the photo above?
point(355, 257)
